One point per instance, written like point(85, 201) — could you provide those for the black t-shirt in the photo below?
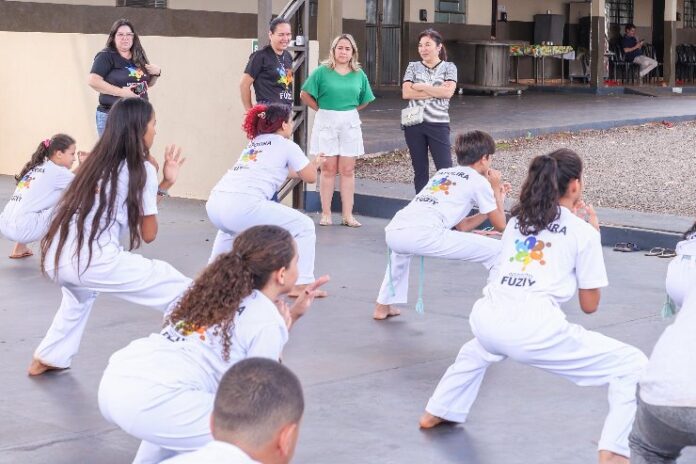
point(118, 71)
point(630, 42)
point(272, 76)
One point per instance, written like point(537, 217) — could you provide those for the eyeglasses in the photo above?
point(125, 35)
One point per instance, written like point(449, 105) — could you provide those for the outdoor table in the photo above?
point(539, 53)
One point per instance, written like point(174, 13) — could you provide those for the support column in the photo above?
point(329, 24)
point(669, 66)
point(597, 43)
point(264, 16)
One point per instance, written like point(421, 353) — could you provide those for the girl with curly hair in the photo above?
point(550, 248)
point(161, 388)
point(244, 196)
point(115, 191)
point(40, 183)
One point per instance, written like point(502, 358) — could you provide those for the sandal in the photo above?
point(626, 247)
point(325, 220)
point(667, 253)
point(350, 222)
point(655, 251)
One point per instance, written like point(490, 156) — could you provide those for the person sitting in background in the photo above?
point(633, 49)
point(256, 416)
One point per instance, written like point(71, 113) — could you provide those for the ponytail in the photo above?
point(215, 297)
point(437, 38)
point(547, 181)
point(59, 142)
point(265, 119)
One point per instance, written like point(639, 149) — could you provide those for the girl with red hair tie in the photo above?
point(243, 197)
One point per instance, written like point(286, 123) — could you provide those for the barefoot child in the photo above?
point(42, 180)
point(547, 252)
point(161, 388)
point(115, 190)
point(243, 197)
point(424, 226)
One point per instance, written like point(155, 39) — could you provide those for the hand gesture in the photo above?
point(587, 213)
point(127, 92)
point(494, 177)
point(306, 298)
point(505, 188)
point(319, 160)
point(172, 162)
point(153, 70)
point(284, 311)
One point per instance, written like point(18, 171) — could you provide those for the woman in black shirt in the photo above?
point(121, 70)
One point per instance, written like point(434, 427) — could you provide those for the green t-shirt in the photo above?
point(337, 92)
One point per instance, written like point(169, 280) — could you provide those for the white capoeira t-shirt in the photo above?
point(561, 258)
point(263, 167)
point(38, 190)
point(215, 452)
point(449, 197)
point(108, 244)
point(177, 357)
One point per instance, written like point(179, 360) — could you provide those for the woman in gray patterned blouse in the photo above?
point(429, 83)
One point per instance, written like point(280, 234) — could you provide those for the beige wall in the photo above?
point(479, 12)
point(74, 2)
point(415, 5)
point(354, 9)
point(231, 6)
point(642, 13)
point(197, 107)
point(524, 10)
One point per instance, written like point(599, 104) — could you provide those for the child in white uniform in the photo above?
point(424, 226)
point(161, 388)
point(115, 191)
point(547, 252)
point(42, 180)
point(666, 418)
point(243, 197)
point(256, 416)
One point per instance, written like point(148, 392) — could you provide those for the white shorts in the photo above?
point(337, 133)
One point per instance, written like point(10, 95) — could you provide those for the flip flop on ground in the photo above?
point(626, 247)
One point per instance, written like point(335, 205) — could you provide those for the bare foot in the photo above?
point(37, 367)
point(428, 421)
point(298, 289)
point(383, 312)
point(20, 251)
point(609, 457)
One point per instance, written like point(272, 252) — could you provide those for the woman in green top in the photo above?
point(336, 90)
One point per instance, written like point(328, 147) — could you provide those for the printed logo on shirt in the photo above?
point(25, 182)
point(135, 72)
point(284, 77)
point(529, 250)
point(441, 184)
point(518, 280)
point(183, 328)
point(250, 154)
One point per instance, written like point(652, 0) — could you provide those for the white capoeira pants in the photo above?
point(233, 213)
point(537, 333)
point(431, 242)
point(147, 282)
point(150, 394)
point(28, 228)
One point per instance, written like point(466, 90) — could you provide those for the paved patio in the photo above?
point(365, 382)
point(512, 116)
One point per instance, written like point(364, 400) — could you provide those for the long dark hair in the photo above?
point(265, 119)
point(547, 181)
point(121, 146)
point(59, 142)
point(214, 298)
point(139, 57)
point(437, 38)
point(691, 231)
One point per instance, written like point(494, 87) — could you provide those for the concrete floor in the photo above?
point(511, 116)
point(365, 382)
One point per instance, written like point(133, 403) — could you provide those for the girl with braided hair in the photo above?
point(40, 184)
point(161, 388)
point(244, 196)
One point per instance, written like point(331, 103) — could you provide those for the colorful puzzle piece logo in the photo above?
point(135, 72)
point(285, 77)
point(25, 182)
point(183, 328)
point(442, 184)
point(250, 154)
point(529, 250)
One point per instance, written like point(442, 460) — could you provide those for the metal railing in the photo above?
point(297, 12)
